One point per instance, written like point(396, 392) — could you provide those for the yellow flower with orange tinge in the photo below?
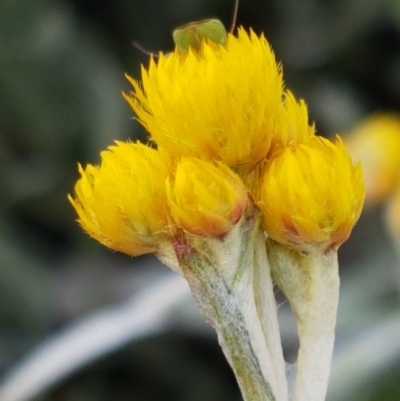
point(206, 199)
point(122, 203)
point(220, 103)
point(311, 195)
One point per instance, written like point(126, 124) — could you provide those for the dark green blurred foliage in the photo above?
point(389, 386)
point(62, 66)
point(174, 367)
point(60, 103)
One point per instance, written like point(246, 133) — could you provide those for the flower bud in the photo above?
point(205, 199)
point(122, 203)
point(311, 194)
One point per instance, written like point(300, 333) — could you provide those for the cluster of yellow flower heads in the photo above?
point(228, 136)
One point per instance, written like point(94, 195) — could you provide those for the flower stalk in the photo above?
point(264, 296)
point(310, 282)
point(221, 275)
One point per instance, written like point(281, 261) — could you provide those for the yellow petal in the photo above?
point(292, 123)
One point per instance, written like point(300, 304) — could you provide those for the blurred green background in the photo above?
point(62, 66)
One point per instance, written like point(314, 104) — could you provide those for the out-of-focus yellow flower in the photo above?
point(122, 203)
point(311, 194)
point(376, 143)
point(206, 199)
point(220, 103)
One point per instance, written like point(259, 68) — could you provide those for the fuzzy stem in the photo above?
point(221, 276)
point(267, 313)
point(311, 284)
point(316, 329)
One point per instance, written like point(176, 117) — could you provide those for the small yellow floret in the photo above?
point(221, 103)
point(311, 194)
point(292, 123)
point(122, 203)
point(206, 199)
point(376, 143)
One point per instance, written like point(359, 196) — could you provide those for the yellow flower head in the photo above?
point(311, 195)
point(206, 199)
point(122, 203)
point(376, 143)
point(220, 103)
